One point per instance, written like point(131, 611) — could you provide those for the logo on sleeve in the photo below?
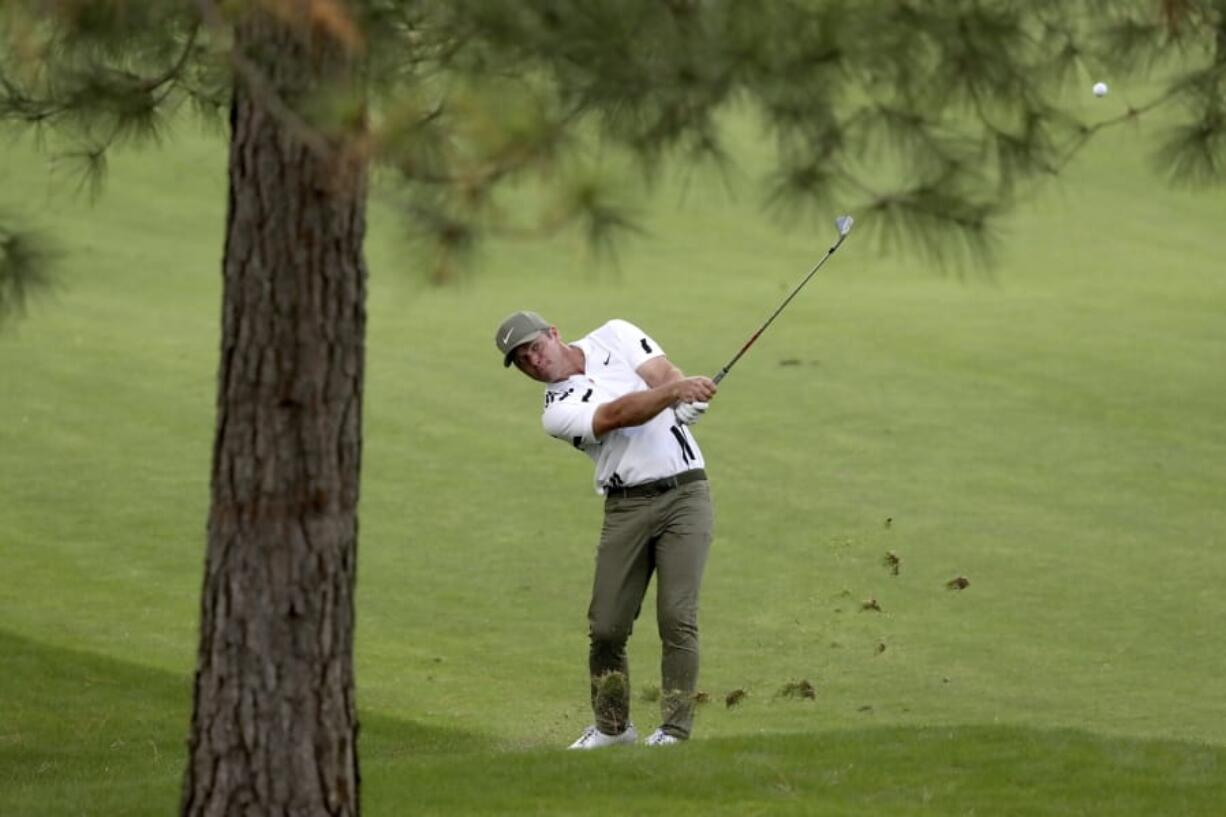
point(607, 358)
point(552, 397)
point(646, 346)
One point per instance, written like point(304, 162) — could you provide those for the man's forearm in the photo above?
point(633, 409)
point(659, 371)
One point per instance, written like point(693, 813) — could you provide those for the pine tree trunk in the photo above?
point(274, 725)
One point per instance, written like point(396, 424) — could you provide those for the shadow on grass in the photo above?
point(86, 734)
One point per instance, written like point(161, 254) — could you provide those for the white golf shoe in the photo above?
point(661, 738)
point(593, 738)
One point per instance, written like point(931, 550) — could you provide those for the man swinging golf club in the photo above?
point(614, 395)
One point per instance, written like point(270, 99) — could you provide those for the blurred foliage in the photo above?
point(25, 261)
point(925, 118)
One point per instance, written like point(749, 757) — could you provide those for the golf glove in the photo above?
point(690, 413)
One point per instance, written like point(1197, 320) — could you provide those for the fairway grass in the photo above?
point(1051, 432)
point(113, 745)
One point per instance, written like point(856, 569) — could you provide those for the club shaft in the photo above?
point(724, 371)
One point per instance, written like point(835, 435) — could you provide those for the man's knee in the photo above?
point(606, 635)
point(611, 625)
point(678, 625)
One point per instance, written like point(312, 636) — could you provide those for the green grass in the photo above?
point(1053, 433)
point(112, 747)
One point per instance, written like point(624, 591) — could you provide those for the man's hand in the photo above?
point(638, 407)
point(693, 389)
point(692, 396)
point(690, 413)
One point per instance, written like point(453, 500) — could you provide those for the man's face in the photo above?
point(541, 358)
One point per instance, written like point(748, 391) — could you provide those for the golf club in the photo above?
point(844, 225)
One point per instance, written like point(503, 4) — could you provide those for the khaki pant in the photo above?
point(668, 534)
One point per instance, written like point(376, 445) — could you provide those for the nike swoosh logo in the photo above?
point(508, 337)
point(608, 357)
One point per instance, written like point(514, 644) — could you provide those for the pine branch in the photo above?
point(1193, 153)
point(957, 107)
point(262, 90)
point(946, 228)
point(1087, 132)
point(175, 71)
point(96, 89)
point(26, 262)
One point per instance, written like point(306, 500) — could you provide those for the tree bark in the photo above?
point(274, 723)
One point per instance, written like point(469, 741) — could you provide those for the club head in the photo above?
point(844, 224)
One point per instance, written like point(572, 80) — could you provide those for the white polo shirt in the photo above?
point(659, 448)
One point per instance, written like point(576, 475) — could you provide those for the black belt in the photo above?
point(657, 486)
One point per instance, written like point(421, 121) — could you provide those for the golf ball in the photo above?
point(1100, 89)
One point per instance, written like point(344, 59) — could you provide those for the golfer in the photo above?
point(615, 396)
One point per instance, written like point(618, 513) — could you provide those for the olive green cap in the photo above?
point(517, 329)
